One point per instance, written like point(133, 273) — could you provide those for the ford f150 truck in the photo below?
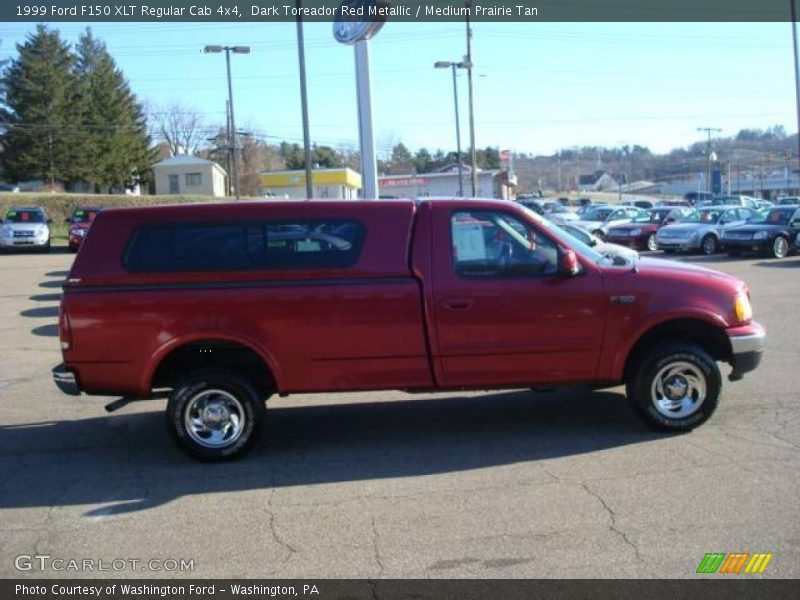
point(219, 306)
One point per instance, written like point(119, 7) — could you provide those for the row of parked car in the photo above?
point(28, 228)
point(709, 229)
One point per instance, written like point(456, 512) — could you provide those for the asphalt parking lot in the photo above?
point(493, 485)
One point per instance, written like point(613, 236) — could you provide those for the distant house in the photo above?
point(597, 182)
point(189, 175)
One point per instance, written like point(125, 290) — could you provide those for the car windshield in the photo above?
point(597, 214)
point(25, 216)
point(82, 215)
point(702, 216)
point(654, 216)
point(557, 208)
point(777, 216)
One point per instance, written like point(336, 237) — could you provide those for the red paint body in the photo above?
point(398, 318)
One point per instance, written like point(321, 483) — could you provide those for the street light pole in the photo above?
point(708, 130)
point(301, 59)
point(796, 74)
point(228, 50)
point(473, 160)
point(453, 66)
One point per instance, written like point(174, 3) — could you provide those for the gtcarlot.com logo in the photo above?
point(734, 563)
point(45, 562)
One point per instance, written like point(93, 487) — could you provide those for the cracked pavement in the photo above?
point(379, 485)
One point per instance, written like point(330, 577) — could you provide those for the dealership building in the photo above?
point(335, 184)
point(490, 184)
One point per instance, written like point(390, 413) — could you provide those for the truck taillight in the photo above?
point(64, 330)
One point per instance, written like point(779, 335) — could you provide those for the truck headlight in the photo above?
point(760, 235)
point(741, 307)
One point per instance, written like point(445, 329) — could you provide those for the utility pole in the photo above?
point(796, 74)
point(708, 130)
point(228, 145)
point(474, 173)
point(301, 59)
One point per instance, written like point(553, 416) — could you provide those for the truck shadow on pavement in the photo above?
point(127, 462)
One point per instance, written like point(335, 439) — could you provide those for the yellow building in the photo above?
point(335, 184)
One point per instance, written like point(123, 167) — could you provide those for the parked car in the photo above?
point(219, 306)
point(721, 200)
point(600, 219)
point(79, 224)
point(535, 206)
point(701, 230)
point(788, 201)
point(775, 233)
point(763, 206)
point(643, 204)
point(696, 198)
point(25, 228)
point(558, 213)
point(673, 203)
point(9, 187)
point(604, 248)
point(641, 232)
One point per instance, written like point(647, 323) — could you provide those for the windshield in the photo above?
point(702, 216)
point(597, 214)
point(25, 216)
point(777, 216)
point(655, 216)
point(84, 215)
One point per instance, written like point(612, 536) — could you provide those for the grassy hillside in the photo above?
point(60, 206)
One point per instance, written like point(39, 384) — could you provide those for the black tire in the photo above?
point(708, 245)
point(780, 247)
point(188, 394)
point(642, 389)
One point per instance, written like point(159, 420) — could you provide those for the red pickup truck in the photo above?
point(219, 306)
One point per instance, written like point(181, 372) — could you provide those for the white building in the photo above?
point(490, 184)
point(189, 175)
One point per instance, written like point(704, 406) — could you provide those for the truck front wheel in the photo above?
point(214, 415)
point(674, 386)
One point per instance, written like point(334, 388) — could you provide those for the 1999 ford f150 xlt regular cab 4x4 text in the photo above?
point(220, 306)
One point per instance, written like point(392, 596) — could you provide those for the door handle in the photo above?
point(457, 303)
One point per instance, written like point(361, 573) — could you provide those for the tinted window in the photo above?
point(238, 246)
point(25, 216)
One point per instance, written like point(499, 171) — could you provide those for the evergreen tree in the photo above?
point(41, 117)
point(115, 148)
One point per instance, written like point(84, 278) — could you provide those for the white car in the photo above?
point(600, 219)
point(25, 228)
point(597, 244)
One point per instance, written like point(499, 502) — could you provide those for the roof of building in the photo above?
point(184, 159)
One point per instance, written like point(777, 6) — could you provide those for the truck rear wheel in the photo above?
point(675, 386)
point(214, 415)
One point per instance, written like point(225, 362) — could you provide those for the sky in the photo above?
point(539, 87)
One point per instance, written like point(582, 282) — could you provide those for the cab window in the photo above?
point(496, 244)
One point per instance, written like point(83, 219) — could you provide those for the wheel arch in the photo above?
point(707, 331)
point(237, 351)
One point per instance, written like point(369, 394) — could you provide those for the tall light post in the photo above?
point(709, 131)
point(446, 64)
point(796, 73)
point(470, 99)
point(228, 50)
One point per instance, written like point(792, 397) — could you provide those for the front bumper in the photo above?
point(677, 244)
point(65, 380)
point(28, 242)
point(747, 348)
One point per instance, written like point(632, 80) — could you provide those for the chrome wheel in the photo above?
point(780, 248)
point(214, 418)
point(678, 390)
point(651, 242)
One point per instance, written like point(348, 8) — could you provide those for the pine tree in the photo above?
point(40, 117)
point(115, 149)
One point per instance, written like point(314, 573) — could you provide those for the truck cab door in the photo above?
point(503, 314)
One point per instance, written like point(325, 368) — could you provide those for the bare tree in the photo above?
point(181, 127)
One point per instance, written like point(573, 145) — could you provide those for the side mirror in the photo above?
point(568, 265)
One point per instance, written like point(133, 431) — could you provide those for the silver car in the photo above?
point(595, 242)
point(702, 229)
point(598, 220)
point(25, 227)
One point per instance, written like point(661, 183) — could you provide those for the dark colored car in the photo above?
point(775, 233)
point(79, 224)
point(641, 233)
point(695, 198)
